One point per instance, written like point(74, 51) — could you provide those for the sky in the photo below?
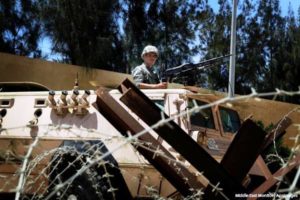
point(284, 4)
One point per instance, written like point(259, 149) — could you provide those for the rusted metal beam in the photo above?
point(265, 186)
point(179, 140)
point(260, 168)
point(241, 154)
point(182, 179)
point(243, 150)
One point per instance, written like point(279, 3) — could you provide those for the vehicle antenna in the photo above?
point(76, 86)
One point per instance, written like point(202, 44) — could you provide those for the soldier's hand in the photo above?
point(162, 85)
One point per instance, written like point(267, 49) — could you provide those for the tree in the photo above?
point(85, 33)
point(218, 43)
point(19, 28)
point(250, 57)
point(288, 75)
point(135, 27)
point(272, 29)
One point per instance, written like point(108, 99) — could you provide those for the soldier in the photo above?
point(144, 75)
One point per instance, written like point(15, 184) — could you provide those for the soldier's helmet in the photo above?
point(149, 49)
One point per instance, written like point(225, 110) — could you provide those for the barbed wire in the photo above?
point(94, 159)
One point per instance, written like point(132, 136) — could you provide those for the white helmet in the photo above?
point(149, 49)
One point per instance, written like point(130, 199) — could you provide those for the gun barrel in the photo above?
point(211, 61)
point(189, 66)
point(178, 69)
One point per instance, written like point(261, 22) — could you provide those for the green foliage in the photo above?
point(84, 32)
point(282, 151)
point(111, 35)
point(265, 128)
point(267, 47)
point(19, 28)
point(291, 57)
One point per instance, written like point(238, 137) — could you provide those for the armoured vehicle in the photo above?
point(57, 122)
point(58, 144)
point(116, 144)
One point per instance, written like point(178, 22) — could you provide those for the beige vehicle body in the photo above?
point(37, 129)
point(30, 117)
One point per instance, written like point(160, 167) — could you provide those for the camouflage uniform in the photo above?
point(142, 74)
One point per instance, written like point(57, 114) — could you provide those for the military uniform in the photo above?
point(143, 74)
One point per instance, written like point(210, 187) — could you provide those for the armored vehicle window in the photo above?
point(230, 120)
point(203, 118)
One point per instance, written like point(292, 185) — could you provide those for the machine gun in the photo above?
point(177, 71)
